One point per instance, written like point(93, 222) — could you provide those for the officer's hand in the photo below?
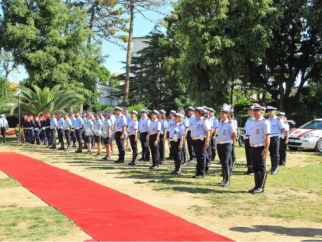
point(180, 147)
point(163, 139)
point(121, 137)
point(206, 144)
point(155, 143)
point(286, 141)
point(264, 153)
point(135, 139)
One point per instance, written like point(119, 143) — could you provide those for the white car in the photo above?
point(308, 136)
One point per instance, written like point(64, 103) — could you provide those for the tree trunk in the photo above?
point(128, 57)
point(6, 68)
point(232, 95)
point(91, 21)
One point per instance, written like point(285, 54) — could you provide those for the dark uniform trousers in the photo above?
point(67, 135)
point(224, 153)
point(31, 135)
point(213, 149)
point(177, 155)
point(120, 145)
point(282, 151)
point(201, 153)
point(232, 157)
point(53, 137)
point(184, 151)
point(145, 146)
point(61, 137)
point(162, 148)
point(154, 149)
point(48, 135)
point(37, 135)
point(134, 145)
point(274, 152)
point(73, 136)
point(191, 151)
point(248, 161)
point(3, 133)
point(258, 163)
point(208, 157)
point(79, 136)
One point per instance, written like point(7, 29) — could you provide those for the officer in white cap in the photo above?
point(226, 136)
point(153, 139)
point(246, 138)
point(3, 127)
point(106, 132)
point(276, 130)
point(214, 131)
point(79, 126)
point(200, 135)
point(97, 127)
point(185, 123)
point(88, 130)
point(171, 123)
point(163, 133)
point(60, 129)
point(176, 138)
point(132, 130)
point(67, 127)
point(259, 139)
point(192, 120)
point(283, 139)
point(143, 130)
point(120, 130)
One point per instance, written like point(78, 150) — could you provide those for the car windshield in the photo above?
point(314, 124)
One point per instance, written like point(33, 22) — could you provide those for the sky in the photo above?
point(116, 55)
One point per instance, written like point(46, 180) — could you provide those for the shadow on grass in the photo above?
point(199, 190)
point(308, 232)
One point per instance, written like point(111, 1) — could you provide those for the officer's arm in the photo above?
point(123, 129)
point(101, 126)
point(207, 136)
point(267, 141)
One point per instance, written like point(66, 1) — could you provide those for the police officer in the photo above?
point(225, 142)
point(83, 131)
point(283, 139)
point(132, 130)
point(26, 127)
point(60, 129)
point(143, 129)
point(47, 129)
point(276, 129)
point(88, 129)
point(163, 133)
point(170, 124)
point(37, 129)
point(200, 135)
point(214, 130)
point(120, 133)
point(79, 126)
point(208, 150)
point(106, 131)
point(233, 153)
point(246, 139)
point(192, 119)
point(259, 139)
point(176, 137)
point(72, 118)
point(3, 127)
point(98, 132)
point(185, 123)
point(153, 139)
point(128, 119)
point(67, 127)
point(31, 129)
point(53, 127)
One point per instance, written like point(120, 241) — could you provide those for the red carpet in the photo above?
point(103, 213)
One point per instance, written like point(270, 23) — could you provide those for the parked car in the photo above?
point(307, 136)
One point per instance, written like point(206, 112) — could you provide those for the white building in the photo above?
point(138, 44)
point(107, 94)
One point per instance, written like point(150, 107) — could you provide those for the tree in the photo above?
point(50, 40)
point(37, 101)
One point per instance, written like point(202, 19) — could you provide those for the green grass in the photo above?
point(33, 224)
point(9, 182)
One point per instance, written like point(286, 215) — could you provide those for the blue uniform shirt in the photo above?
point(164, 125)
point(171, 123)
point(106, 125)
point(258, 131)
point(112, 119)
point(214, 122)
point(67, 123)
point(73, 120)
point(200, 127)
point(60, 123)
point(88, 125)
point(97, 125)
point(177, 131)
point(78, 123)
point(128, 118)
point(225, 130)
point(120, 122)
point(276, 125)
point(286, 127)
point(53, 123)
point(132, 125)
point(192, 120)
point(185, 122)
point(248, 125)
point(144, 124)
point(154, 126)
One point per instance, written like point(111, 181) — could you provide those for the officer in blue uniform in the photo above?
point(53, 127)
point(185, 123)
point(37, 129)
point(132, 130)
point(170, 124)
point(83, 131)
point(88, 130)
point(163, 133)
point(176, 137)
point(276, 130)
point(259, 140)
point(200, 135)
point(106, 131)
point(3, 127)
point(214, 130)
point(225, 139)
point(283, 139)
point(47, 129)
point(73, 138)
point(60, 129)
point(192, 119)
point(79, 126)
point(31, 129)
point(143, 129)
point(153, 139)
point(67, 128)
point(246, 140)
point(26, 127)
point(98, 132)
point(120, 130)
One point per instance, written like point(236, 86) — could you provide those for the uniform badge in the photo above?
point(175, 132)
point(224, 132)
point(257, 131)
point(273, 126)
point(153, 129)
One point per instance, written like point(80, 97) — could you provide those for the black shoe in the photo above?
point(141, 159)
point(119, 161)
point(67, 149)
point(169, 158)
point(184, 164)
point(174, 172)
point(78, 151)
point(61, 148)
point(132, 164)
point(52, 148)
point(226, 184)
point(222, 182)
point(191, 160)
point(161, 162)
point(274, 172)
point(177, 173)
point(88, 152)
point(74, 145)
point(154, 167)
point(106, 158)
point(261, 183)
point(197, 176)
point(98, 154)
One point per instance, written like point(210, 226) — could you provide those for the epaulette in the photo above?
point(278, 118)
point(229, 121)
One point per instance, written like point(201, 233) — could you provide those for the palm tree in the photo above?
point(38, 101)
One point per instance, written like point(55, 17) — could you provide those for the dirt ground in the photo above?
point(239, 228)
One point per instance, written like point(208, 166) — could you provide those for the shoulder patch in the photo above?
point(230, 121)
